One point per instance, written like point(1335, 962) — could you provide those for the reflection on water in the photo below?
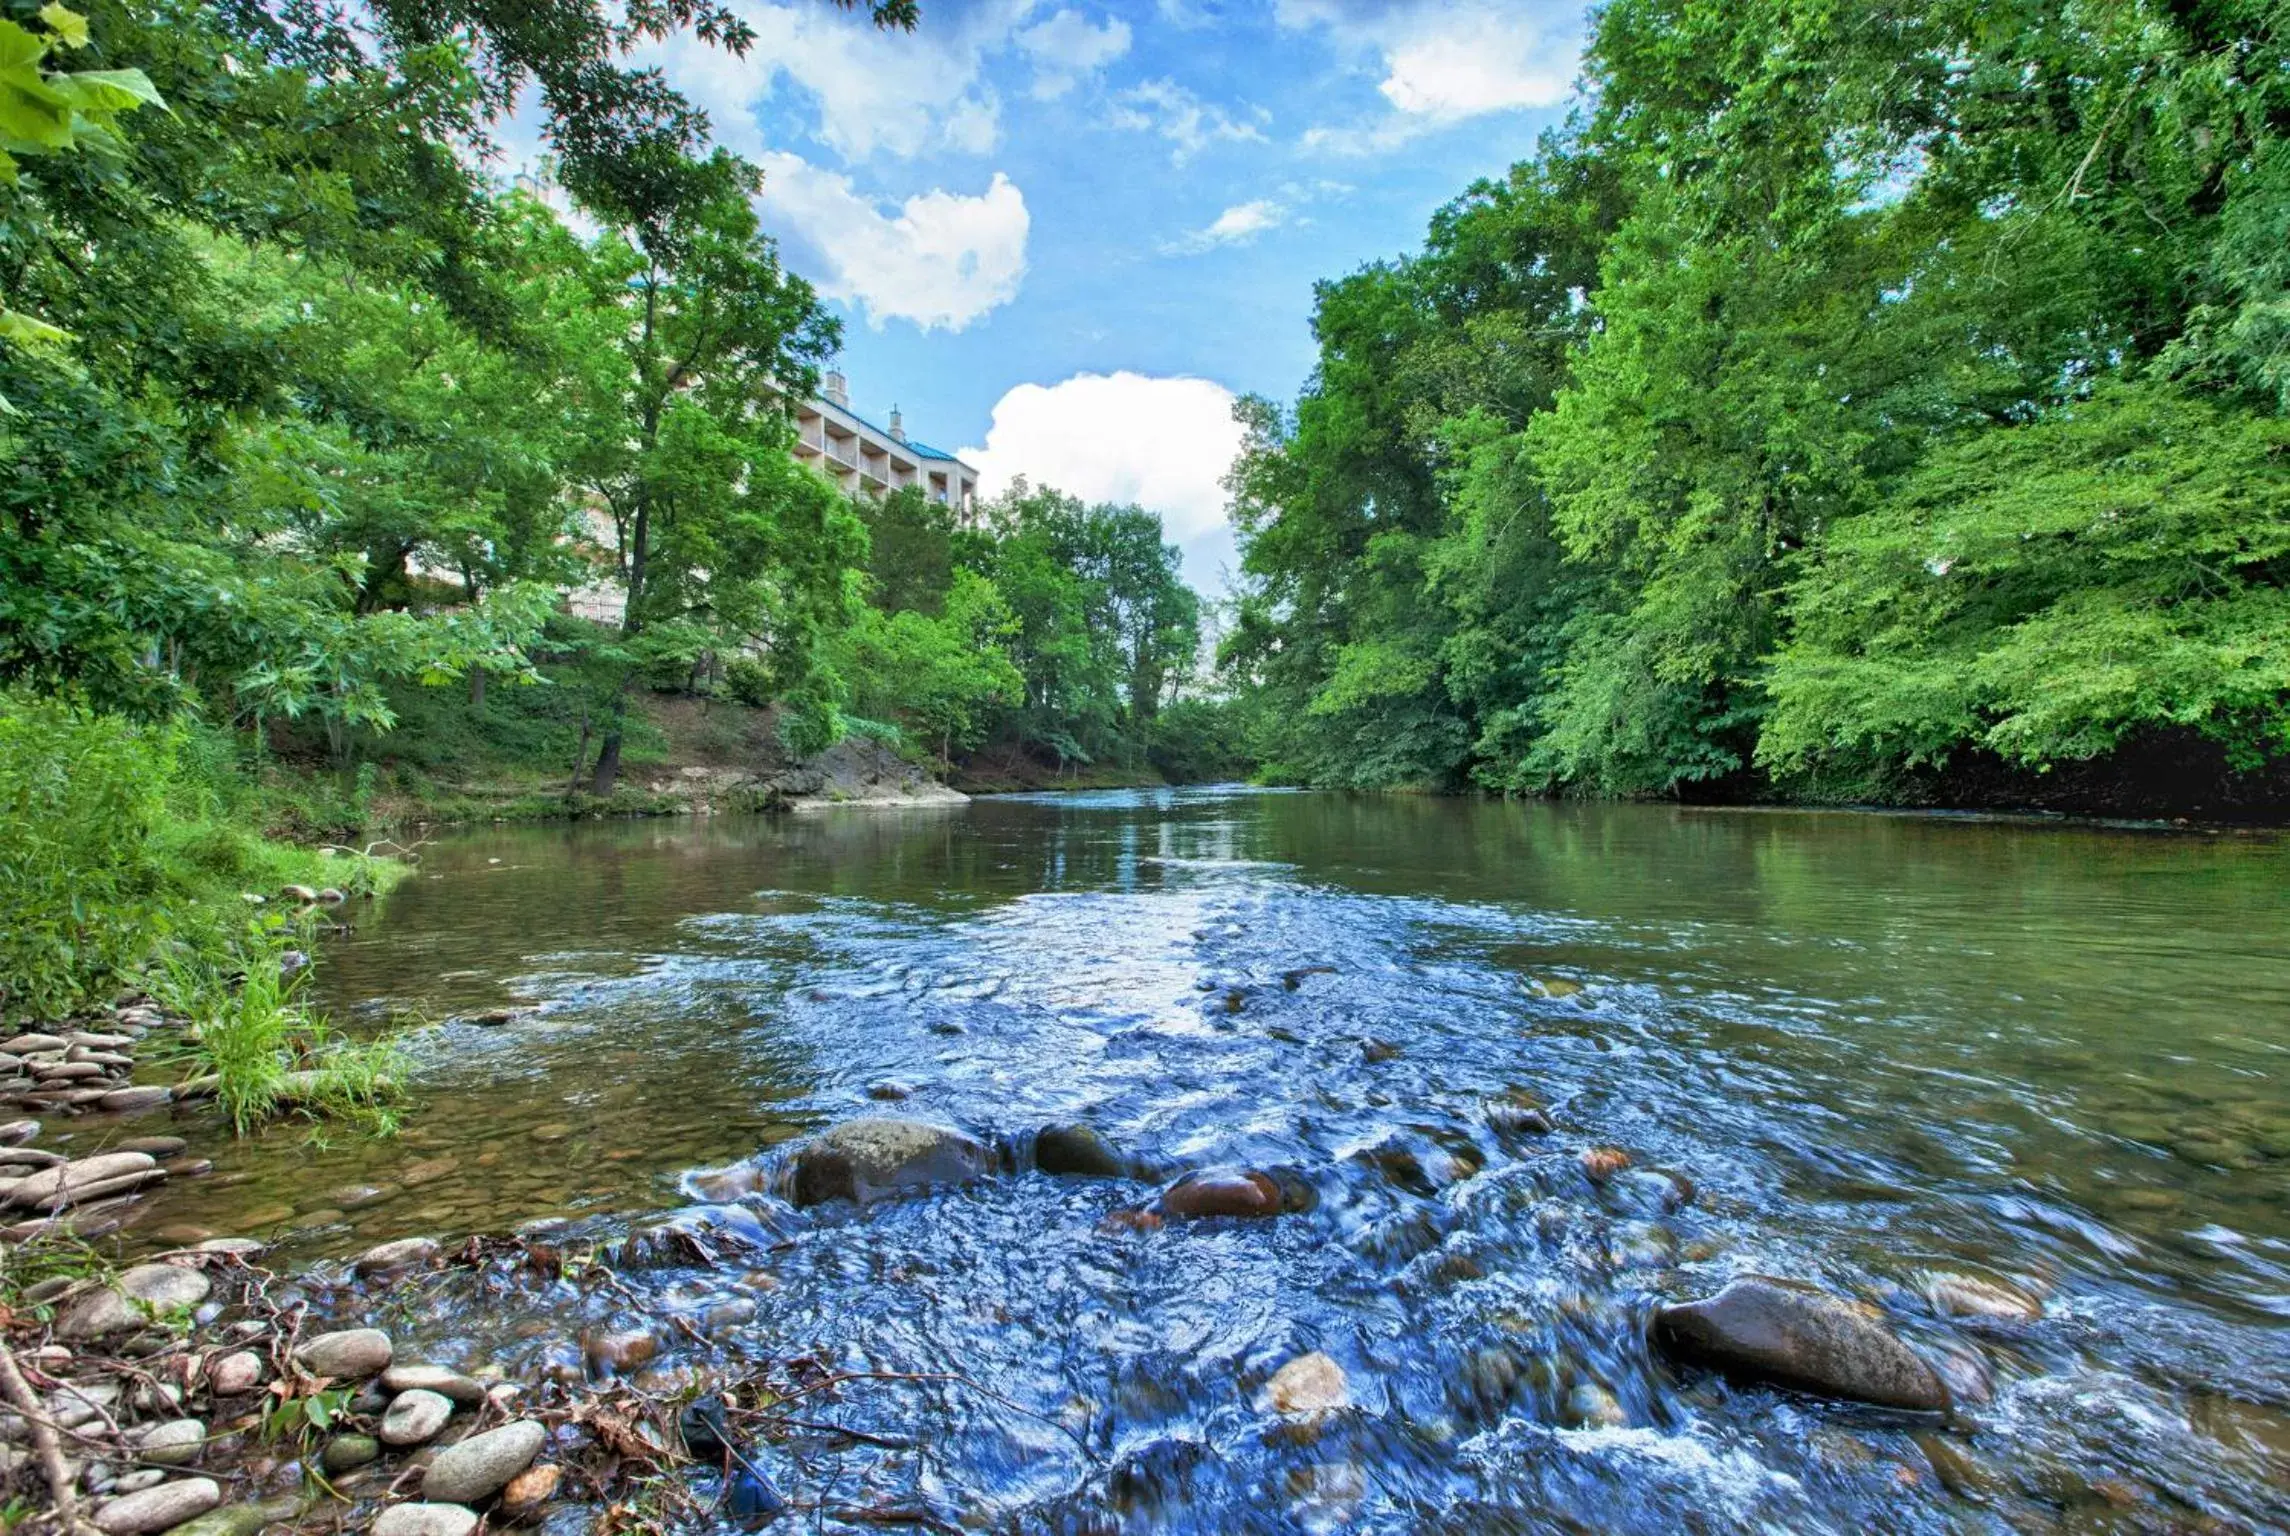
point(1881, 1048)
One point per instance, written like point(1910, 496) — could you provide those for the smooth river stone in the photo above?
point(172, 1443)
point(481, 1466)
point(71, 1178)
point(351, 1353)
point(388, 1258)
point(426, 1520)
point(158, 1509)
point(1222, 1192)
point(1796, 1336)
point(867, 1159)
point(131, 1301)
point(415, 1417)
point(1312, 1383)
point(434, 1378)
point(235, 1374)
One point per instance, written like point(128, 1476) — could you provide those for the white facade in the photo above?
point(862, 458)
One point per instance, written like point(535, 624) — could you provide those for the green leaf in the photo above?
point(18, 329)
point(108, 90)
point(69, 26)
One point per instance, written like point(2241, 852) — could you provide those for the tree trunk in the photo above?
point(607, 764)
point(476, 687)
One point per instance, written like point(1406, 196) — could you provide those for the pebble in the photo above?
point(620, 1352)
point(415, 1417)
point(130, 1301)
point(347, 1453)
point(1222, 1192)
point(1955, 1295)
point(235, 1374)
point(1312, 1383)
point(171, 1443)
point(157, 1509)
point(426, 1520)
point(482, 1465)
point(161, 1147)
point(448, 1384)
point(350, 1353)
point(529, 1490)
point(388, 1258)
point(75, 1179)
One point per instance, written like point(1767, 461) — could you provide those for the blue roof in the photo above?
point(919, 450)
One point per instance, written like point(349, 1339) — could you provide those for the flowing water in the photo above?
point(1884, 1050)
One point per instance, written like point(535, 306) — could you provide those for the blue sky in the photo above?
point(1062, 236)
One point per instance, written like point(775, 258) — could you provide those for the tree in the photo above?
point(719, 540)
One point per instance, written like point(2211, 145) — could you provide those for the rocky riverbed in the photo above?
point(199, 1392)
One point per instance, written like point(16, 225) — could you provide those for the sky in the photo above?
point(1062, 237)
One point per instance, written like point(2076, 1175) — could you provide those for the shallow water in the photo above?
point(1881, 1048)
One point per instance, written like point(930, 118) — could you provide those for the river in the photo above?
point(1884, 1050)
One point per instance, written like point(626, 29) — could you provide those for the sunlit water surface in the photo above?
point(1880, 1047)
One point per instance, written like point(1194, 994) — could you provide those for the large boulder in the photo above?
point(1793, 1335)
point(863, 1160)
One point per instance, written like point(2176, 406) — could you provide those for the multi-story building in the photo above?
point(863, 458)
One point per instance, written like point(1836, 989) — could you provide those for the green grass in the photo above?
point(269, 1054)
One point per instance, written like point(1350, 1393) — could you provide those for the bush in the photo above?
point(81, 802)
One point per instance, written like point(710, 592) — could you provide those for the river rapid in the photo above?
point(1894, 1056)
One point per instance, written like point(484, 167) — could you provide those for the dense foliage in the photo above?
point(1846, 392)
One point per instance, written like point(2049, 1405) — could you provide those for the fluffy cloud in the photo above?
point(1176, 114)
point(1443, 63)
point(1163, 443)
point(939, 259)
point(1065, 47)
point(1235, 226)
point(899, 94)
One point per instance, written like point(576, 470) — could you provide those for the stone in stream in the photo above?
point(172, 1442)
point(349, 1354)
point(1308, 1384)
point(863, 1160)
point(529, 1490)
point(347, 1453)
point(480, 1466)
point(1969, 1296)
point(415, 1417)
point(391, 1258)
point(1079, 1151)
point(426, 1520)
point(16, 1132)
point(160, 1508)
point(124, 1101)
point(1796, 1336)
point(888, 1091)
point(133, 1299)
point(161, 1147)
point(25, 1045)
point(620, 1352)
point(68, 1180)
point(452, 1385)
point(235, 1374)
point(240, 1519)
point(302, 893)
point(1222, 1192)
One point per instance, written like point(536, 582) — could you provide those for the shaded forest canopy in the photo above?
point(1849, 401)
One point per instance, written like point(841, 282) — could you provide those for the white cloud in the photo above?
point(1176, 114)
point(1065, 47)
point(940, 259)
point(1444, 63)
point(893, 93)
point(1237, 225)
point(1163, 443)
